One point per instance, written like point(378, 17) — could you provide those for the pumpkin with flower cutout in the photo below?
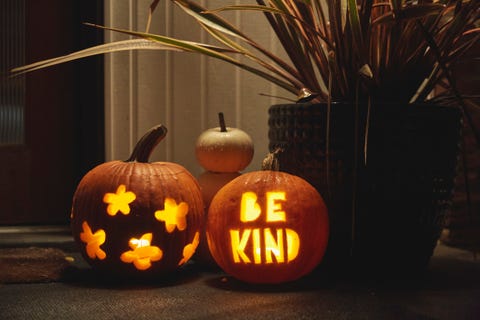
point(138, 218)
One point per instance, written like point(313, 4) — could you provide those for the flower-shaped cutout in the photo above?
point(93, 241)
point(190, 248)
point(173, 214)
point(142, 254)
point(119, 201)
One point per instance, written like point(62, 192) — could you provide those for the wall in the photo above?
point(183, 91)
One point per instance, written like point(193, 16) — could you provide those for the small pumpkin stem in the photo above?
point(221, 120)
point(271, 161)
point(144, 147)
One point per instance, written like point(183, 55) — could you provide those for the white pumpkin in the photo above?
point(224, 149)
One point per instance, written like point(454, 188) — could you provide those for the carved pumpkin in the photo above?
point(224, 149)
point(267, 227)
point(138, 218)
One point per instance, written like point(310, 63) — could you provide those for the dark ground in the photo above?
point(450, 289)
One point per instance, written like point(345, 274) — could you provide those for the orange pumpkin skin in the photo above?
point(151, 184)
point(210, 182)
point(305, 215)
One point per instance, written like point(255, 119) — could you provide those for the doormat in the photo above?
point(33, 264)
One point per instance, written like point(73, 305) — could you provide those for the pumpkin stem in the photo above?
point(144, 147)
point(221, 120)
point(271, 161)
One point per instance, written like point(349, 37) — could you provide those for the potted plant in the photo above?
point(376, 119)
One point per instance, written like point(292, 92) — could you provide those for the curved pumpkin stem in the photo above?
point(144, 147)
point(271, 161)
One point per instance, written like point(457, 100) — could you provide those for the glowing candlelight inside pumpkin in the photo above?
point(142, 254)
point(267, 227)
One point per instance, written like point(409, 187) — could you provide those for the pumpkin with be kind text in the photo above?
point(267, 227)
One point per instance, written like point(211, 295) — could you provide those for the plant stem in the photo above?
point(221, 120)
point(144, 147)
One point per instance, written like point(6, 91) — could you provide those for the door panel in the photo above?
point(63, 115)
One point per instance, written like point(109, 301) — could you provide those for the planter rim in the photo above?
point(383, 108)
point(389, 103)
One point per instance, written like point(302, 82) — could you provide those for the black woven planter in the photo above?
point(386, 206)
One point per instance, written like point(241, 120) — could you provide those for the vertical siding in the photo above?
point(119, 133)
point(154, 100)
point(12, 91)
point(186, 92)
point(183, 91)
point(252, 107)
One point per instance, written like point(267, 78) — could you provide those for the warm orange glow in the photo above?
point(293, 244)
point(267, 246)
point(93, 241)
point(190, 248)
point(239, 245)
point(173, 215)
point(142, 254)
point(249, 208)
point(119, 201)
point(272, 247)
point(274, 209)
point(257, 254)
